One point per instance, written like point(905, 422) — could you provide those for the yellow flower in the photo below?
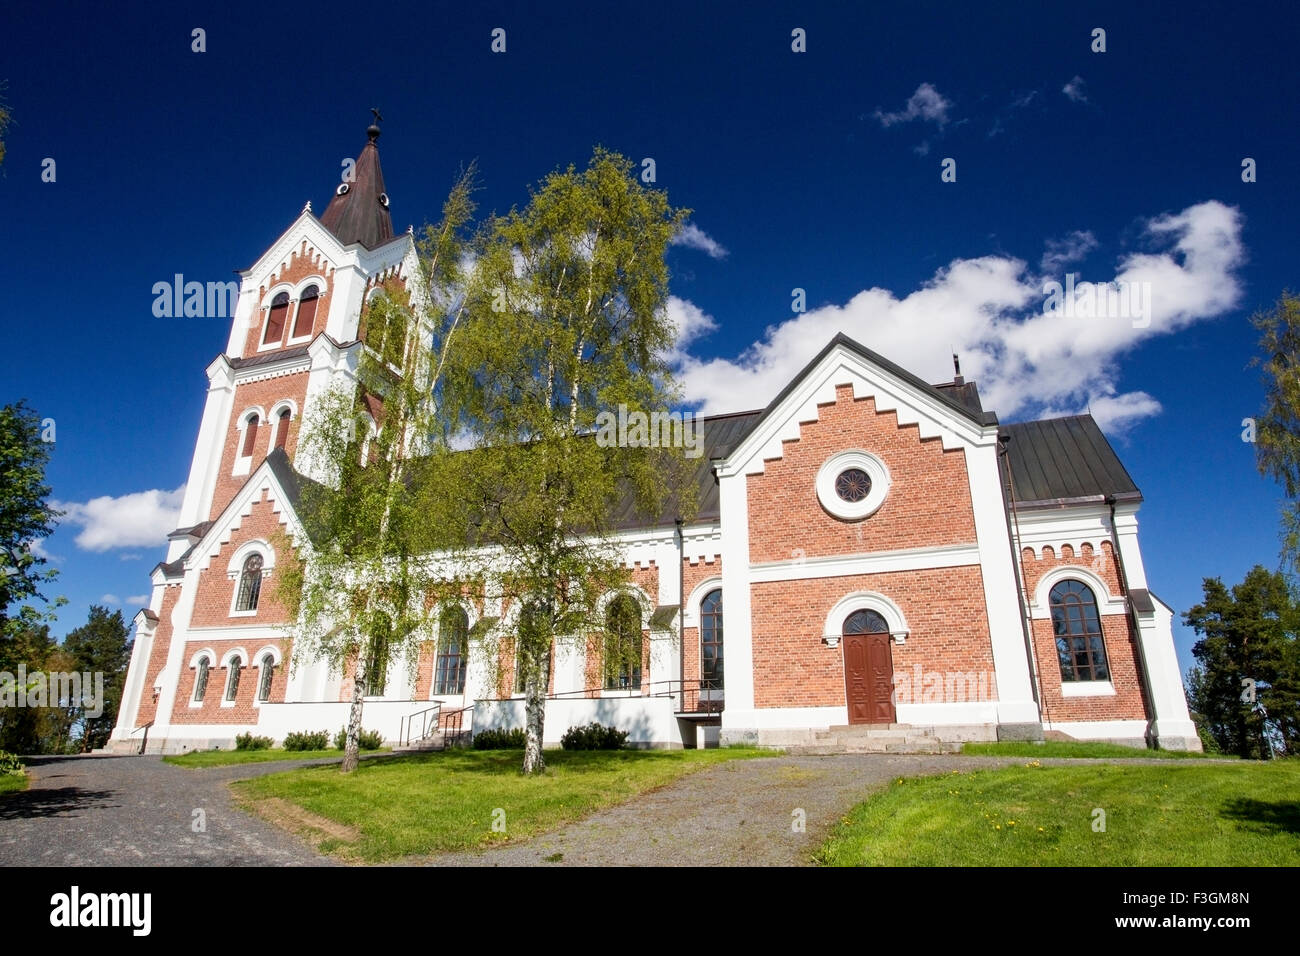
point(1041, 830)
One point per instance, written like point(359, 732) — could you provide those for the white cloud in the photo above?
point(1072, 248)
point(140, 519)
point(109, 599)
point(922, 148)
point(990, 310)
point(926, 104)
point(1074, 90)
point(142, 599)
point(693, 237)
point(37, 547)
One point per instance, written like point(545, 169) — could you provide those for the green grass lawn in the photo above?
point(427, 803)
point(1071, 748)
point(224, 758)
point(1243, 814)
point(12, 782)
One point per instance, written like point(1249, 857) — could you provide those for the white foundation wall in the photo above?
point(649, 721)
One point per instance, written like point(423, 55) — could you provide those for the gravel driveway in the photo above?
point(106, 810)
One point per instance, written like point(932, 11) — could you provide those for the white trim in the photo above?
point(879, 562)
point(865, 601)
point(1087, 688)
point(244, 463)
point(1100, 729)
point(207, 652)
point(1041, 608)
point(876, 470)
point(274, 418)
point(257, 545)
point(276, 659)
point(271, 293)
point(691, 612)
point(226, 660)
point(321, 285)
point(231, 653)
point(211, 657)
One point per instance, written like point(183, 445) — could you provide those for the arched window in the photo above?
point(306, 318)
point(282, 428)
point(250, 435)
point(376, 675)
point(264, 681)
point(250, 584)
point(623, 644)
point(711, 640)
point(1077, 626)
point(201, 680)
point(449, 677)
point(232, 682)
point(866, 622)
point(276, 319)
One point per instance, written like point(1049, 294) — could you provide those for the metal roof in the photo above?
point(360, 212)
point(1064, 460)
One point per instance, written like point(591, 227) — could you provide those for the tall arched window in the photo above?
point(250, 584)
point(623, 645)
point(306, 318)
point(275, 320)
point(282, 428)
point(711, 640)
point(232, 682)
point(453, 658)
point(201, 679)
point(866, 622)
point(264, 681)
point(1077, 625)
point(250, 436)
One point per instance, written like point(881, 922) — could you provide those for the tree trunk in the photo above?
point(351, 752)
point(535, 714)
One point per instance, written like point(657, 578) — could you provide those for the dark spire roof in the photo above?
point(359, 210)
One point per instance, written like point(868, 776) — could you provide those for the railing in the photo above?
point(428, 726)
point(144, 741)
point(451, 726)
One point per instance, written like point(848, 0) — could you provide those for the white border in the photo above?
point(839, 463)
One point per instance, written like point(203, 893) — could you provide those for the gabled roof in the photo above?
point(360, 212)
point(956, 399)
point(1059, 461)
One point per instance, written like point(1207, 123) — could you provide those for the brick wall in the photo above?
point(162, 642)
point(928, 505)
point(1122, 654)
point(213, 709)
point(215, 591)
point(264, 394)
point(944, 609)
point(303, 262)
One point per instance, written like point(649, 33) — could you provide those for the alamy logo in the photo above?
point(194, 300)
point(635, 429)
point(1099, 300)
point(75, 908)
point(56, 689)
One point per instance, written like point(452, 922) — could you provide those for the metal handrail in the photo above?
point(144, 741)
point(669, 688)
point(408, 724)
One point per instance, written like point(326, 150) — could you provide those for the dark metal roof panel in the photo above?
point(266, 358)
point(1060, 459)
point(361, 213)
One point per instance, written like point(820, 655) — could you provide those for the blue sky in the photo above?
point(816, 170)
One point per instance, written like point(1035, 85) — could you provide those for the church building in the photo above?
point(877, 563)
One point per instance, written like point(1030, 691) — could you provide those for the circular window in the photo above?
point(852, 485)
point(343, 189)
point(383, 200)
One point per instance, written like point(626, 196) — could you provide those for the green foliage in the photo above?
point(25, 518)
point(101, 645)
point(307, 740)
point(1277, 428)
point(250, 742)
point(1245, 686)
point(594, 736)
point(500, 739)
point(9, 763)
point(366, 739)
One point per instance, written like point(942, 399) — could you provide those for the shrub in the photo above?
point(500, 739)
point(366, 739)
point(9, 763)
point(594, 736)
point(307, 740)
point(249, 742)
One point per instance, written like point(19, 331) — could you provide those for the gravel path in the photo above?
point(739, 813)
point(107, 810)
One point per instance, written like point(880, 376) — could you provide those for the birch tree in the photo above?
point(359, 596)
point(566, 319)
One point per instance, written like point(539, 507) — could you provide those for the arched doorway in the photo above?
point(868, 668)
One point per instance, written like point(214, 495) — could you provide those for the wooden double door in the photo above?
point(868, 668)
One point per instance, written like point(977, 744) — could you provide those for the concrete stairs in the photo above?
point(876, 739)
point(438, 740)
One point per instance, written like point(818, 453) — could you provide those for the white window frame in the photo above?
point(211, 656)
point(235, 569)
point(834, 466)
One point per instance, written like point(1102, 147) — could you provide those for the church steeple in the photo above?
point(359, 210)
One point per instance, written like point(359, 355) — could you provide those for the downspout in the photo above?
point(1133, 622)
point(681, 617)
point(1013, 536)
